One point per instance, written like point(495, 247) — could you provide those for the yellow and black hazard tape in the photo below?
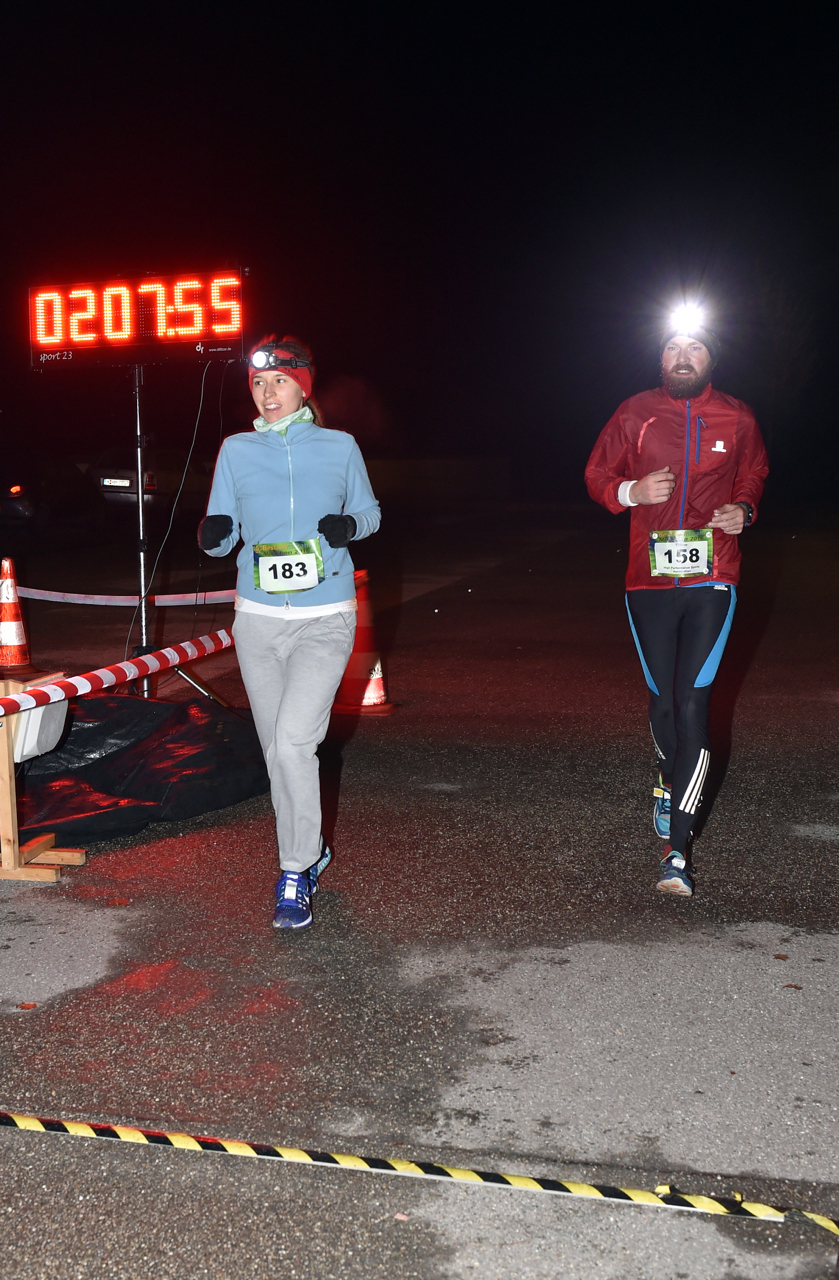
point(663, 1197)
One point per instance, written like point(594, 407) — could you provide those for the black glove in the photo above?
point(338, 530)
point(213, 530)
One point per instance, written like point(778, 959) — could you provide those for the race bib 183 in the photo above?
point(681, 553)
point(287, 566)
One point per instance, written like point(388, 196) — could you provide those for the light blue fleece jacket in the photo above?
point(276, 486)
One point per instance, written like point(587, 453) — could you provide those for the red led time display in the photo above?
point(195, 316)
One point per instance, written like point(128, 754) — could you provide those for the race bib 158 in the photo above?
point(681, 553)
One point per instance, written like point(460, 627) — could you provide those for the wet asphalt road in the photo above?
point(491, 980)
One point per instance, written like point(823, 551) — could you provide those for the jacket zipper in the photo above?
point(687, 463)
point(699, 425)
point(290, 490)
point(287, 604)
point(677, 582)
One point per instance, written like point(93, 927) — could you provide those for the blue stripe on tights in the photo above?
point(712, 662)
point(651, 685)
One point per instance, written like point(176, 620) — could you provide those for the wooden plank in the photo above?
point(32, 848)
point(8, 799)
point(48, 874)
point(59, 858)
point(43, 677)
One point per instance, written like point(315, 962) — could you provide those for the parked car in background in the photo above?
point(113, 474)
point(46, 493)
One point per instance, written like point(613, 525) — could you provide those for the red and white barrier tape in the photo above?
point(127, 602)
point(105, 677)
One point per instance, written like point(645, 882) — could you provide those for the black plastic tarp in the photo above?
point(124, 762)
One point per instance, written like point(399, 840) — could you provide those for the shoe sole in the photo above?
point(677, 887)
point(287, 924)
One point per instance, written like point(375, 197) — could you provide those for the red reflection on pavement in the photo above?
point(145, 978)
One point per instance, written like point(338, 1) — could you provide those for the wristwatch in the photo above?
point(749, 510)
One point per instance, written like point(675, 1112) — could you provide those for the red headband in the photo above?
point(301, 375)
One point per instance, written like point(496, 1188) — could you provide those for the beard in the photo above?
point(682, 388)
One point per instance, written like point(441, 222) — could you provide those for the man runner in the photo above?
point(690, 462)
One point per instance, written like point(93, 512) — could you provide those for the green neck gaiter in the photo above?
point(303, 414)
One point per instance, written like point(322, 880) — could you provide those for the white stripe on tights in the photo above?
point(690, 800)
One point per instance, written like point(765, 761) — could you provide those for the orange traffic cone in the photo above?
point(362, 690)
point(15, 663)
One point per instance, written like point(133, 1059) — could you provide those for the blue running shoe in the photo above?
point(661, 812)
point(294, 901)
point(673, 874)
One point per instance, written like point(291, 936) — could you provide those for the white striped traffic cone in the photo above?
point(362, 691)
point(15, 663)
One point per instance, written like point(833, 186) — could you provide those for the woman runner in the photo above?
point(296, 494)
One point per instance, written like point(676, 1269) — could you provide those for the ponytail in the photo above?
point(316, 413)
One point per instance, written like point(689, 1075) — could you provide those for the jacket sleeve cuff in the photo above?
point(366, 522)
point(224, 548)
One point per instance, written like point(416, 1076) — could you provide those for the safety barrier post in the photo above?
point(21, 696)
point(38, 859)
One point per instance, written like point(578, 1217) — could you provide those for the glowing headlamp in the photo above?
point(687, 319)
point(267, 358)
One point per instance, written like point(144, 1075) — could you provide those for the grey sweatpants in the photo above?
point(291, 671)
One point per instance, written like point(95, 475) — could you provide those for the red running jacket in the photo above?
point(714, 448)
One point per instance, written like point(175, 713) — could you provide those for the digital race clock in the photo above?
point(195, 316)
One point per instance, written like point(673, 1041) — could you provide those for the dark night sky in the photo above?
point(484, 211)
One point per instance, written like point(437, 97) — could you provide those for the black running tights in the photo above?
point(680, 633)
